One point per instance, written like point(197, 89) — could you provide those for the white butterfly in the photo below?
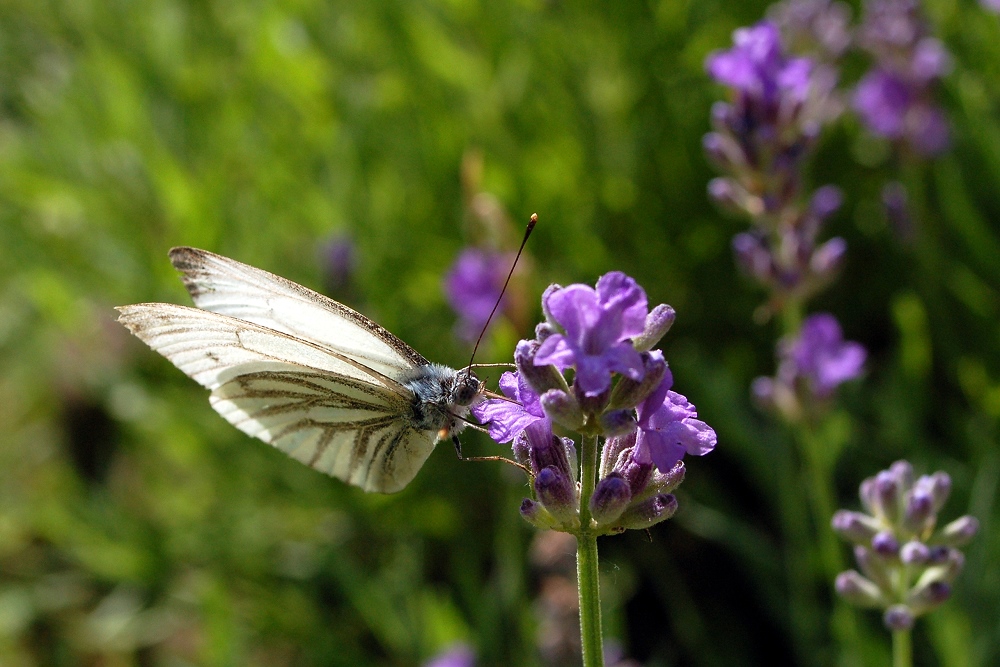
point(317, 380)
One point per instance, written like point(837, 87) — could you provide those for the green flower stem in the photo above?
point(586, 561)
point(902, 649)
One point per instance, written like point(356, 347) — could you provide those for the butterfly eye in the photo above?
point(466, 389)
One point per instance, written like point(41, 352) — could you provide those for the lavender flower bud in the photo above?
point(611, 497)
point(723, 151)
point(728, 194)
point(569, 447)
point(885, 544)
point(825, 201)
point(886, 496)
point(668, 481)
point(828, 258)
point(616, 453)
point(562, 408)
point(919, 511)
point(555, 491)
point(658, 323)
point(867, 494)
point(873, 566)
point(546, 295)
point(854, 526)
point(629, 393)
point(723, 116)
point(960, 532)
point(943, 569)
point(926, 597)
point(539, 378)
point(914, 553)
point(857, 590)
point(592, 405)
point(940, 483)
point(898, 617)
point(753, 256)
point(618, 423)
point(536, 515)
point(521, 449)
point(938, 555)
point(547, 452)
point(649, 512)
point(902, 470)
point(638, 476)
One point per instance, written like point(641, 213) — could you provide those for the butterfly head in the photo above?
point(467, 389)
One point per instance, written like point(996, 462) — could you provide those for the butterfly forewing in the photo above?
point(205, 345)
point(348, 429)
point(228, 287)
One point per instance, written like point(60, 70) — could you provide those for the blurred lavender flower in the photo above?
point(990, 5)
point(907, 566)
point(473, 285)
point(895, 100)
point(817, 28)
point(621, 390)
point(761, 141)
point(338, 261)
point(458, 655)
point(810, 367)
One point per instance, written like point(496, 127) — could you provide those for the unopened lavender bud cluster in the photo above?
point(907, 564)
point(591, 370)
point(761, 141)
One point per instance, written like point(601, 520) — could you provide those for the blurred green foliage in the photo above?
point(137, 527)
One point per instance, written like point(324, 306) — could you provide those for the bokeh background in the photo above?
point(138, 528)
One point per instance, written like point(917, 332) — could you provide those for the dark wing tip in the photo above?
point(185, 257)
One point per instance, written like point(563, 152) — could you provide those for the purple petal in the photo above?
point(556, 351)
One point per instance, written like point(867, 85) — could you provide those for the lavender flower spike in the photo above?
point(598, 325)
point(909, 566)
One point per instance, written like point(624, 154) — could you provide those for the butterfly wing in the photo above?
point(228, 287)
point(348, 429)
point(317, 404)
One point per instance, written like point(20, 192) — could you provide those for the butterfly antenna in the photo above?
point(527, 232)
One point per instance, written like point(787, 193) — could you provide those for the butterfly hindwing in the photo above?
point(352, 430)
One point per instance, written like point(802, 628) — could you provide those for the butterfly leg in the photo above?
point(458, 446)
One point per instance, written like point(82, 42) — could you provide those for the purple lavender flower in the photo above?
point(669, 428)
point(457, 655)
point(990, 5)
point(756, 66)
point(473, 285)
point(823, 357)
point(894, 100)
point(598, 326)
point(504, 420)
point(818, 28)
point(810, 367)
